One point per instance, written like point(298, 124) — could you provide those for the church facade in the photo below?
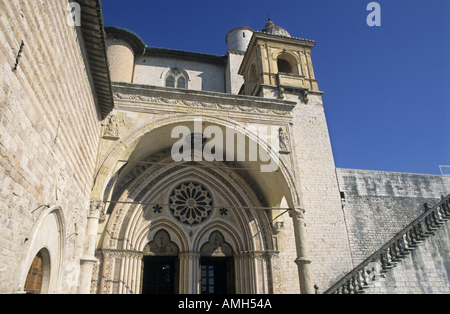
point(130, 169)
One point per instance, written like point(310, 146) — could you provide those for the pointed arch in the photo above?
point(131, 224)
point(143, 207)
point(161, 244)
point(216, 246)
point(175, 77)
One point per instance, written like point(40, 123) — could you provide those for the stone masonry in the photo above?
point(379, 204)
point(49, 131)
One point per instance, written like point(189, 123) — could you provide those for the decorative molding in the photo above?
point(96, 51)
point(96, 210)
point(216, 246)
point(161, 244)
point(113, 125)
point(160, 98)
point(261, 255)
point(189, 256)
point(118, 254)
point(202, 104)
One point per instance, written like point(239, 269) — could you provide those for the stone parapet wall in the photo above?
point(377, 204)
point(425, 271)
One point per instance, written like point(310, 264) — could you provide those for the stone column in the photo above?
point(189, 272)
point(245, 264)
point(88, 259)
point(273, 270)
point(303, 261)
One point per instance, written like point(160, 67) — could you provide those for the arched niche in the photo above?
point(47, 239)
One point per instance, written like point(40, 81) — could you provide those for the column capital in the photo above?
point(96, 209)
point(297, 212)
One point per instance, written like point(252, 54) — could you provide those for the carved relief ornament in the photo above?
point(203, 104)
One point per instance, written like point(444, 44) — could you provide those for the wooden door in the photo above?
point(33, 284)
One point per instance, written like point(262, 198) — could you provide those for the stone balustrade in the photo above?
point(388, 256)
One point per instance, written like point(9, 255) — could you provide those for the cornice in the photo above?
point(185, 55)
point(169, 99)
point(95, 43)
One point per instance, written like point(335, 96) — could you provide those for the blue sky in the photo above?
point(387, 88)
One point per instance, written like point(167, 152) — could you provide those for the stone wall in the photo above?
point(202, 76)
point(49, 136)
point(377, 205)
point(234, 81)
point(425, 271)
point(315, 170)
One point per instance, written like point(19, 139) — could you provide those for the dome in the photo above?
point(275, 30)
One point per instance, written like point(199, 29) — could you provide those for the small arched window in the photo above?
point(170, 82)
point(181, 82)
point(286, 64)
point(176, 78)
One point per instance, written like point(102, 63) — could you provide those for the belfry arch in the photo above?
point(138, 207)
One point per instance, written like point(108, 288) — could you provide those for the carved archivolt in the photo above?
point(119, 151)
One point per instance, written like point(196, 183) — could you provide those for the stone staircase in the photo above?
point(388, 256)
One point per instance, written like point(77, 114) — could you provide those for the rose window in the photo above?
point(188, 201)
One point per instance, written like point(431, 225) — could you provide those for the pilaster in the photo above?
point(88, 259)
point(189, 272)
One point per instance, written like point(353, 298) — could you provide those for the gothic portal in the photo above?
point(181, 229)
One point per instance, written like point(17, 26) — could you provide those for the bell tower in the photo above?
point(276, 63)
point(278, 66)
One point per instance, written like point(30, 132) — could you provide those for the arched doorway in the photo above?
point(189, 225)
point(217, 266)
point(140, 204)
point(160, 273)
point(38, 276)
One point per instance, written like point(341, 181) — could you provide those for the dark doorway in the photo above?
point(160, 275)
point(217, 275)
